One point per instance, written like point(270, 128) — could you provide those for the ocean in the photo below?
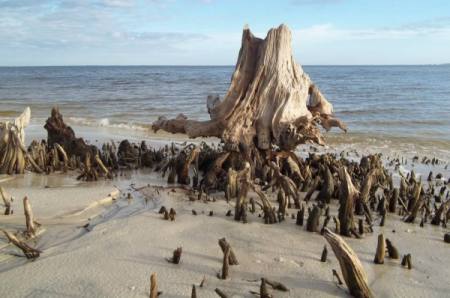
point(403, 108)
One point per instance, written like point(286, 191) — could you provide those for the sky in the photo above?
point(208, 32)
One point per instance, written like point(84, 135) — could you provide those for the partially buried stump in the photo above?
point(354, 275)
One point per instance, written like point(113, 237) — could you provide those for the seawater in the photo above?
point(406, 107)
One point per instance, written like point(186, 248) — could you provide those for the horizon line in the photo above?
point(207, 65)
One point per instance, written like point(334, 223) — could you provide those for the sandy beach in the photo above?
point(126, 240)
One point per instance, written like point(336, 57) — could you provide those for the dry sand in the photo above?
point(127, 240)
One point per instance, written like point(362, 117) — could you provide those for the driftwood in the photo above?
point(352, 270)
point(29, 252)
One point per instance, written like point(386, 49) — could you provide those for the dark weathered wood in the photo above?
point(176, 256)
point(223, 243)
point(381, 249)
point(392, 250)
point(312, 223)
point(323, 258)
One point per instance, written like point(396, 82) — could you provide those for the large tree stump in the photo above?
point(270, 100)
point(351, 267)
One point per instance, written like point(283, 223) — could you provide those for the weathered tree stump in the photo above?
point(381, 249)
point(223, 246)
point(312, 223)
point(352, 270)
point(392, 250)
point(176, 256)
point(347, 196)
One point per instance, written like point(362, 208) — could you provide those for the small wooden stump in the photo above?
point(172, 214)
point(312, 223)
point(392, 250)
point(176, 256)
point(323, 258)
point(447, 237)
point(225, 264)
point(223, 245)
point(153, 286)
point(194, 292)
point(263, 292)
point(381, 248)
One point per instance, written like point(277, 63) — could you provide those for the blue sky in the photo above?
point(208, 32)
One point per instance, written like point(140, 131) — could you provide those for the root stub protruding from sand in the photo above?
point(176, 256)
point(352, 270)
point(224, 245)
point(30, 253)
